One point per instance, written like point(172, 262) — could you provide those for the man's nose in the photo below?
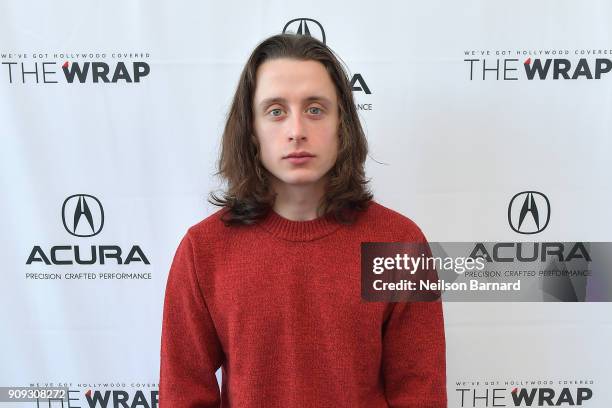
point(297, 128)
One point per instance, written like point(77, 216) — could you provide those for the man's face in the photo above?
point(295, 111)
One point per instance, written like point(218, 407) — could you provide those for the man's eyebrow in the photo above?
point(314, 98)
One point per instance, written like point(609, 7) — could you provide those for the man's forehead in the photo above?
point(293, 80)
point(288, 67)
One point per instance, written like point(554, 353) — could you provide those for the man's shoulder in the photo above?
point(385, 218)
point(211, 228)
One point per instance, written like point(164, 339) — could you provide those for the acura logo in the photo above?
point(305, 26)
point(83, 215)
point(529, 212)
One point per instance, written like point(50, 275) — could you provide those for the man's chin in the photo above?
point(301, 181)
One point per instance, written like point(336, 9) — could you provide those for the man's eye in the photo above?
point(277, 110)
point(314, 110)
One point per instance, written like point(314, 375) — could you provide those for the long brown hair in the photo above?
point(249, 195)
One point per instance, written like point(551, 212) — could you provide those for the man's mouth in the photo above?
point(299, 154)
point(300, 157)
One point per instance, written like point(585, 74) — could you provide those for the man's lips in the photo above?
point(298, 155)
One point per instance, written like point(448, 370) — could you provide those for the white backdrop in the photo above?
point(446, 150)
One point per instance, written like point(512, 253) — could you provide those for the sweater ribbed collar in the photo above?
point(291, 230)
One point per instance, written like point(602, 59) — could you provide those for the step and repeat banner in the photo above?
point(487, 122)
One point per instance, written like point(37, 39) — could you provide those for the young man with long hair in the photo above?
point(268, 287)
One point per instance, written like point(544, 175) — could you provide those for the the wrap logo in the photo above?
point(122, 398)
point(529, 212)
point(523, 397)
point(101, 71)
point(548, 397)
point(77, 68)
point(513, 69)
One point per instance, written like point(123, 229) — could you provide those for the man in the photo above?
point(268, 287)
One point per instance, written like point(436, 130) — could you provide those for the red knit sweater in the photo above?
point(278, 306)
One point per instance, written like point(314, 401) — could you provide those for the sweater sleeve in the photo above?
point(414, 353)
point(190, 349)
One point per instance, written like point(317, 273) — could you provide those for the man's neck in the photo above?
point(298, 202)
